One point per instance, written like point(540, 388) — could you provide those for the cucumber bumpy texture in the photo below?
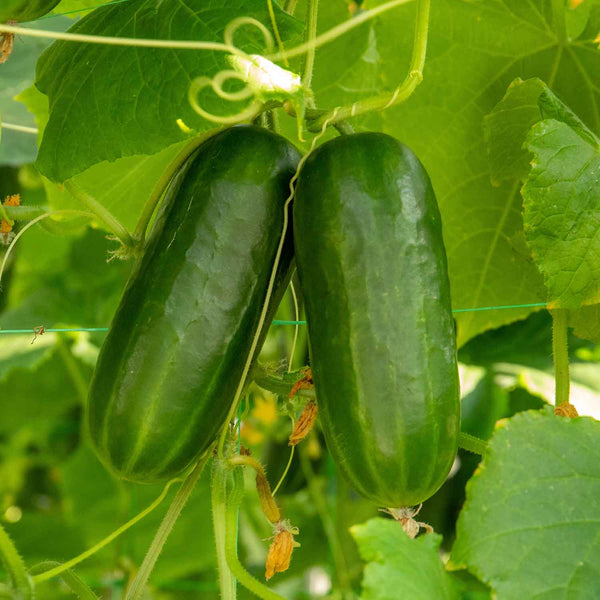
point(168, 370)
point(372, 267)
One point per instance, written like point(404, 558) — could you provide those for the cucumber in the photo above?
point(373, 273)
point(169, 367)
point(25, 10)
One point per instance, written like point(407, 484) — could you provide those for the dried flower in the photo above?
point(566, 410)
point(305, 423)
point(305, 383)
point(405, 516)
point(280, 551)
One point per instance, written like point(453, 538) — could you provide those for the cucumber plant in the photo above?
point(188, 115)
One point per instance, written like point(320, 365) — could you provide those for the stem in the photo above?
point(311, 34)
point(289, 6)
point(277, 386)
point(245, 578)
point(29, 225)
point(344, 128)
point(248, 461)
point(103, 214)
point(560, 352)
point(107, 540)
point(21, 128)
point(287, 468)
point(117, 41)
point(23, 213)
point(227, 582)
point(71, 579)
point(335, 32)
point(473, 444)
point(276, 31)
point(296, 327)
point(14, 565)
point(161, 185)
point(136, 589)
point(341, 568)
point(404, 91)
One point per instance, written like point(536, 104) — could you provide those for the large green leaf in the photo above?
point(104, 503)
point(400, 567)
point(562, 212)
point(475, 50)
point(122, 186)
point(531, 527)
point(586, 322)
point(108, 102)
point(17, 147)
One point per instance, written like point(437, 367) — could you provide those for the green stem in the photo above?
point(311, 34)
point(289, 6)
point(219, 509)
point(277, 385)
point(320, 502)
point(22, 213)
point(71, 579)
point(276, 31)
point(161, 185)
point(14, 565)
point(136, 588)
point(101, 212)
point(560, 352)
point(473, 444)
point(403, 92)
point(344, 128)
point(286, 470)
point(107, 540)
point(245, 578)
point(559, 20)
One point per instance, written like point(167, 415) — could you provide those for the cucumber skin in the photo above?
point(373, 271)
point(168, 370)
point(25, 10)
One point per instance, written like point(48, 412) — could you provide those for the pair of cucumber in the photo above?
point(371, 262)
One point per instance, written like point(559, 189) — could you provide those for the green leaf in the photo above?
point(475, 50)
point(104, 503)
point(562, 212)
point(17, 74)
point(506, 127)
point(122, 186)
point(400, 567)
point(132, 99)
point(585, 322)
point(530, 526)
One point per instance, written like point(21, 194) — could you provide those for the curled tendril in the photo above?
point(218, 82)
point(202, 82)
point(234, 25)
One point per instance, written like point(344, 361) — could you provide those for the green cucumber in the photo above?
point(173, 358)
point(372, 267)
point(25, 10)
